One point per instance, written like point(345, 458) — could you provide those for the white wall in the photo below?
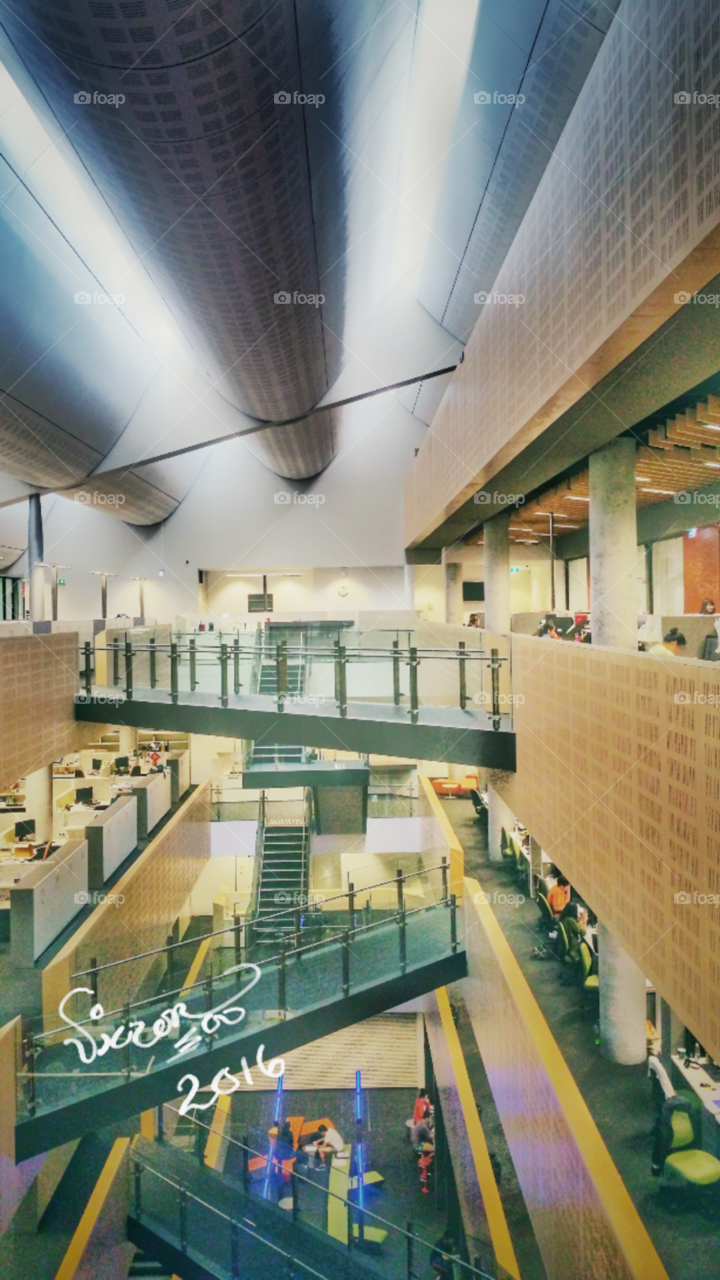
point(668, 579)
point(230, 520)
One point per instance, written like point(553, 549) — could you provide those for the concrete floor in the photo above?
point(687, 1241)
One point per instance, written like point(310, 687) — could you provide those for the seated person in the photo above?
point(330, 1142)
point(421, 1132)
point(422, 1105)
point(559, 896)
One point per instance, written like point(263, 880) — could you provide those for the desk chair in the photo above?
point(478, 803)
point(676, 1158)
point(589, 981)
point(547, 920)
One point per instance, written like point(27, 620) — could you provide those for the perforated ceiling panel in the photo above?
point(206, 172)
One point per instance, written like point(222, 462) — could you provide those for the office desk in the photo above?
point(708, 1091)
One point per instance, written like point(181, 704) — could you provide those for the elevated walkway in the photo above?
point(437, 733)
point(135, 1057)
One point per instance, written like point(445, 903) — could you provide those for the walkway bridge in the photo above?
point(361, 693)
point(347, 958)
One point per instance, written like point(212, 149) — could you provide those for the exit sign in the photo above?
point(61, 582)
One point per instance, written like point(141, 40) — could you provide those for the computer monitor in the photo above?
point(84, 795)
point(23, 830)
point(97, 764)
point(122, 762)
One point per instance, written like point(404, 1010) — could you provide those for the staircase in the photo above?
point(282, 880)
point(268, 678)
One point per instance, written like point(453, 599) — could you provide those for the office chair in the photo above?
point(547, 920)
point(478, 803)
point(676, 1158)
point(589, 981)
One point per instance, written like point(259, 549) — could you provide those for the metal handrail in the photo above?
point(368, 1213)
point(370, 653)
point(267, 960)
point(144, 955)
point(139, 1168)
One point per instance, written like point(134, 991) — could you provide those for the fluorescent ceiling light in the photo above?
point(668, 492)
point(575, 497)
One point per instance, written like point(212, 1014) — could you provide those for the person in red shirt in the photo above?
point(559, 896)
point(422, 1106)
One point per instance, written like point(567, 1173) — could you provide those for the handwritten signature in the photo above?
point(170, 1020)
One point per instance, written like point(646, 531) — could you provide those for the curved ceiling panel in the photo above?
point(300, 450)
point(205, 171)
point(500, 152)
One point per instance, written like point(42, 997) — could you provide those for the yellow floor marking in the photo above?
point(497, 1222)
point(196, 965)
point(623, 1217)
point(147, 1125)
point(213, 1147)
point(88, 1222)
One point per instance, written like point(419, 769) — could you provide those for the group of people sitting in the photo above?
point(570, 920)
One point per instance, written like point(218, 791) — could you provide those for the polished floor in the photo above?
point(687, 1241)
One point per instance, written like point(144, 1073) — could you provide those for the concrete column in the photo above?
point(499, 816)
point(36, 554)
point(454, 593)
point(496, 559)
point(613, 545)
point(127, 740)
point(622, 1003)
point(38, 801)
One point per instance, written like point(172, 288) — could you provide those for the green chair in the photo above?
point(547, 920)
point(695, 1168)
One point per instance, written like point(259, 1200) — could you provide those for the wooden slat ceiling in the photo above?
point(682, 455)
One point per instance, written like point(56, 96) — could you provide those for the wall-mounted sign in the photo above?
point(61, 582)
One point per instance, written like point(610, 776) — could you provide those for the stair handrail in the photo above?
point(349, 1204)
point(286, 911)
